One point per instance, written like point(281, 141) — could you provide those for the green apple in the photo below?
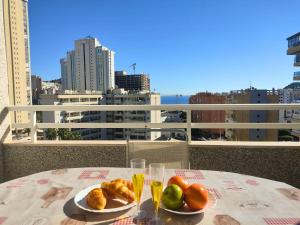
point(172, 197)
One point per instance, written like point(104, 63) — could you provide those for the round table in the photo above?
point(46, 198)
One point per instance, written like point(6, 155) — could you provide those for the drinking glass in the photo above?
point(156, 174)
point(138, 171)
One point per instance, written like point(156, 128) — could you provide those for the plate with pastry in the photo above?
point(106, 197)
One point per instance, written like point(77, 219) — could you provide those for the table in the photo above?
point(46, 198)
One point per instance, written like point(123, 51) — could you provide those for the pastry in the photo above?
point(127, 183)
point(97, 198)
point(117, 189)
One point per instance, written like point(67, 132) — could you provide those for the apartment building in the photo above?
point(253, 96)
point(215, 116)
point(294, 49)
point(36, 87)
point(140, 82)
point(16, 30)
point(89, 67)
point(122, 97)
point(76, 98)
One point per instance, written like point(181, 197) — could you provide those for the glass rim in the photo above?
point(156, 165)
point(140, 160)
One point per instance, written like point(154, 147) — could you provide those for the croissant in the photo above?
point(127, 183)
point(97, 198)
point(117, 189)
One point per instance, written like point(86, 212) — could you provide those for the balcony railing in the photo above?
point(188, 125)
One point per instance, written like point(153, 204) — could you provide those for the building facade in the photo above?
point(215, 116)
point(76, 98)
point(122, 97)
point(137, 82)
point(253, 96)
point(89, 67)
point(16, 29)
point(294, 49)
point(36, 87)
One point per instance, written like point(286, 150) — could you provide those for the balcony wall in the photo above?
point(24, 158)
point(273, 160)
point(277, 161)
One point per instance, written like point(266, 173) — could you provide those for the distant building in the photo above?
point(294, 49)
point(76, 98)
point(253, 96)
point(89, 67)
point(36, 86)
point(16, 30)
point(51, 87)
point(122, 97)
point(137, 82)
point(214, 116)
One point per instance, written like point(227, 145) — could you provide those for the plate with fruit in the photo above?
point(108, 197)
point(179, 197)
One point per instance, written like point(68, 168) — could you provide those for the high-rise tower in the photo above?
point(15, 14)
point(89, 67)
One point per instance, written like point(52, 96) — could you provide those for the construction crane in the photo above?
point(133, 67)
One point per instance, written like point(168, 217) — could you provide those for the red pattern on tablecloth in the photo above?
point(232, 185)
point(252, 182)
point(129, 221)
point(17, 184)
point(2, 219)
point(94, 174)
point(43, 181)
point(215, 192)
point(282, 221)
point(190, 174)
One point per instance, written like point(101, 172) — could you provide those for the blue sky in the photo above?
point(185, 46)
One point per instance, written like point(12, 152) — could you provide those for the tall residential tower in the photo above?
point(15, 16)
point(89, 67)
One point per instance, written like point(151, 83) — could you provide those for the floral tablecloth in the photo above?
point(47, 199)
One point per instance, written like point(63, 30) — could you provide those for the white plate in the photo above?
point(114, 205)
point(185, 210)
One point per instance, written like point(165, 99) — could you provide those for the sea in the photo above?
point(174, 99)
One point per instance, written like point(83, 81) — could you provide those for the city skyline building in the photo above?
point(137, 82)
point(216, 116)
point(252, 96)
point(89, 67)
point(36, 87)
point(76, 98)
point(16, 30)
point(122, 97)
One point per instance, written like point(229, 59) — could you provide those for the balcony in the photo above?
point(273, 160)
point(293, 44)
point(296, 75)
point(297, 60)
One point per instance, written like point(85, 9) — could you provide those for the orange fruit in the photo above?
point(196, 196)
point(182, 183)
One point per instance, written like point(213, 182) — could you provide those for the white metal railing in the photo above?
point(34, 126)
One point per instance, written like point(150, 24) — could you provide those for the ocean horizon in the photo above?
point(174, 99)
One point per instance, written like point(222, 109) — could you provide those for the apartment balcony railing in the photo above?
point(188, 125)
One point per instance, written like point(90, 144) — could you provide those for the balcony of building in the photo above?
point(296, 75)
point(273, 160)
point(297, 60)
point(293, 44)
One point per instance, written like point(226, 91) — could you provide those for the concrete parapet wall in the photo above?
point(272, 160)
point(24, 159)
point(276, 161)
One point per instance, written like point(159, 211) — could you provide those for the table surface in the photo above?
point(47, 199)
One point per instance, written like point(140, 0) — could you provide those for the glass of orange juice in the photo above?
point(138, 174)
point(156, 173)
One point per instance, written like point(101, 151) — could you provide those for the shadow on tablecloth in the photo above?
point(73, 213)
